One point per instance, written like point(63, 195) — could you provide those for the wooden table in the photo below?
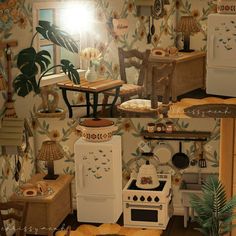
point(189, 72)
point(94, 88)
point(46, 212)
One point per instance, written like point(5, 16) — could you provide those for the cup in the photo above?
point(151, 127)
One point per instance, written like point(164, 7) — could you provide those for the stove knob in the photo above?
point(135, 198)
point(149, 199)
point(142, 198)
point(156, 199)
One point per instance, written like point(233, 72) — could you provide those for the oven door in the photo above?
point(144, 215)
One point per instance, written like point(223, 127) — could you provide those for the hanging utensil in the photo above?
point(149, 36)
point(16, 175)
point(18, 165)
point(194, 161)
point(180, 160)
point(153, 27)
point(202, 161)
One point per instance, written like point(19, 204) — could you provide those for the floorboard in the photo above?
point(174, 228)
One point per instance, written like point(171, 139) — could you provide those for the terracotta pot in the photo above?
point(97, 130)
point(226, 6)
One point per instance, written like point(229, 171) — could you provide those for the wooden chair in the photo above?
point(162, 76)
point(127, 59)
point(16, 211)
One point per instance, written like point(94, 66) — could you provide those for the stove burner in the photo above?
point(133, 186)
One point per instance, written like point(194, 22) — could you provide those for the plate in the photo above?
point(49, 191)
point(163, 152)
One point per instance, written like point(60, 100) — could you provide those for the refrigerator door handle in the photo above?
point(81, 181)
point(211, 47)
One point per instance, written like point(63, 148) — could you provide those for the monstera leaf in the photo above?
point(54, 34)
point(24, 84)
point(28, 59)
point(68, 69)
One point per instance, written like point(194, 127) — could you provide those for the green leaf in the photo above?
point(24, 84)
point(68, 69)
point(56, 35)
point(28, 59)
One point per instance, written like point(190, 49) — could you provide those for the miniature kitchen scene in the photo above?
point(119, 176)
point(129, 58)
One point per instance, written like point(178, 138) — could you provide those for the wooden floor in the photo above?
point(174, 228)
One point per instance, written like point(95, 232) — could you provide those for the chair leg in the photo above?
point(124, 98)
point(104, 103)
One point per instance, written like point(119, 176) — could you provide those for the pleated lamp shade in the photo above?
point(50, 151)
point(187, 25)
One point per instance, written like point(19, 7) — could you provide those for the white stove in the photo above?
point(148, 208)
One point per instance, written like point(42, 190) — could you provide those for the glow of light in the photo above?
point(77, 18)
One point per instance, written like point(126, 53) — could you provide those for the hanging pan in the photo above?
point(180, 160)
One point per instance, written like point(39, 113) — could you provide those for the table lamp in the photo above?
point(187, 25)
point(50, 151)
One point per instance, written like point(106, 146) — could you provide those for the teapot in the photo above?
point(147, 177)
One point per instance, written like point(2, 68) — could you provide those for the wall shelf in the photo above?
point(178, 135)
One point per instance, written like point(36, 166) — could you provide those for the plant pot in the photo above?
point(91, 74)
point(97, 130)
point(59, 113)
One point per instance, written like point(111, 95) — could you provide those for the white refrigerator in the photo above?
point(221, 55)
point(98, 168)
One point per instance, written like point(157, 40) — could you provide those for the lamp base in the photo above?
point(50, 177)
point(186, 50)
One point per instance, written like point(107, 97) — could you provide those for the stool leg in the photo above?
point(88, 104)
point(104, 103)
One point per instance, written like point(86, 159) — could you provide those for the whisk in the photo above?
point(202, 161)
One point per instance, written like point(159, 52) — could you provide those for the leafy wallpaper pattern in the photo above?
point(16, 23)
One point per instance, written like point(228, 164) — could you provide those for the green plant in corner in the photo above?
point(34, 65)
point(214, 213)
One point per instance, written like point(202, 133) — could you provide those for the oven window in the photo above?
point(144, 215)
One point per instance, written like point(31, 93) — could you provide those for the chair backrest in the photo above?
point(133, 58)
point(16, 211)
point(162, 75)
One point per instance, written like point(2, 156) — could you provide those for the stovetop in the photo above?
point(133, 186)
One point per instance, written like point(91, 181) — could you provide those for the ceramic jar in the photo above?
point(151, 127)
point(169, 127)
point(160, 127)
point(226, 6)
point(97, 130)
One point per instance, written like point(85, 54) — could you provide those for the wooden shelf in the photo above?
point(177, 135)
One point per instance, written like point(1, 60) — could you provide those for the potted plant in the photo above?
point(214, 212)
point(34, 65)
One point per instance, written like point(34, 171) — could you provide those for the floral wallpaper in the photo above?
point(16, 24)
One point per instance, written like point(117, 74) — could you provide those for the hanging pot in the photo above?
point(163, 151)
point(180, 160)
point(97, 130)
